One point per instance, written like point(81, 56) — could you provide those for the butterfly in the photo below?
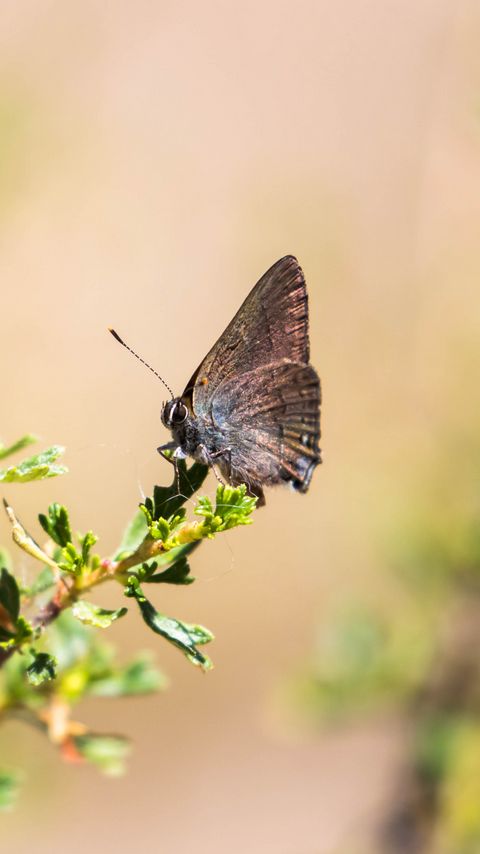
point(252, 407)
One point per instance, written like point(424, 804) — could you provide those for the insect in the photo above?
point(252, 407)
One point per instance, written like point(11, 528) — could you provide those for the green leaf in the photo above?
point(179, 573)
point(23, 539)
point(44, 581)
point(107, 752)
point(9, 595)
point(69, 640)
point(134, 534)
point(71, 559)
point(24, 630)
point(167, 500)
point(167, 559)
point(92, 615)
point(181, 635)
point(9, 786)
point(435, 745)
point(160, 529)
point(199, 634)
point(86, 543)
point(204, 506)
point(42, 669)
point(138, 677)
point(19, 445)
point(37, 467)
point(57, 524)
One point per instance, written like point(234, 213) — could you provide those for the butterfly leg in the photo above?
point(225, 452)
point(211, 457)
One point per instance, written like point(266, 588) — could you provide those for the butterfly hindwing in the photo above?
point(269, 422)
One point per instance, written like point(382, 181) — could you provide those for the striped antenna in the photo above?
point(122, 342)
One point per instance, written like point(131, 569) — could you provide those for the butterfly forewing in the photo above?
point(271, 324)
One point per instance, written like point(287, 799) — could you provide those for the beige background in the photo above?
point(155, 159)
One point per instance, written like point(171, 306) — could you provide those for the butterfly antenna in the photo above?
point(122, 342)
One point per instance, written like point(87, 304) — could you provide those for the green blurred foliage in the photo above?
point(52, 659)
point(9, 786)
point(415, 647)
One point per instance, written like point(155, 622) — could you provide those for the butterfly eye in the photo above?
point(178, 413)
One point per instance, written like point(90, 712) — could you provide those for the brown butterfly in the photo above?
point(252, 407)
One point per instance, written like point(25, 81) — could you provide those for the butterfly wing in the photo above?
point(255, 395)
point(269, 420)
point(270, 325)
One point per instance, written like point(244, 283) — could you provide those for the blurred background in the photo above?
point(155, 160)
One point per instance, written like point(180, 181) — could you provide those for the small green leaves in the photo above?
point(160, 529)
point(76, 560)
point(164, 529)
point(42, 669)
point(181, 635)
point(9, 785)
point(92, 615)
point(19, 445)
point(70, 559)
point(24, 631)
point(57, 524)
point(9, 595)
point(37, 467)
point(233, 508)
point(107, 752)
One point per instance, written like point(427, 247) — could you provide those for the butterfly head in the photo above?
point(183, 425)
point(174, 413)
